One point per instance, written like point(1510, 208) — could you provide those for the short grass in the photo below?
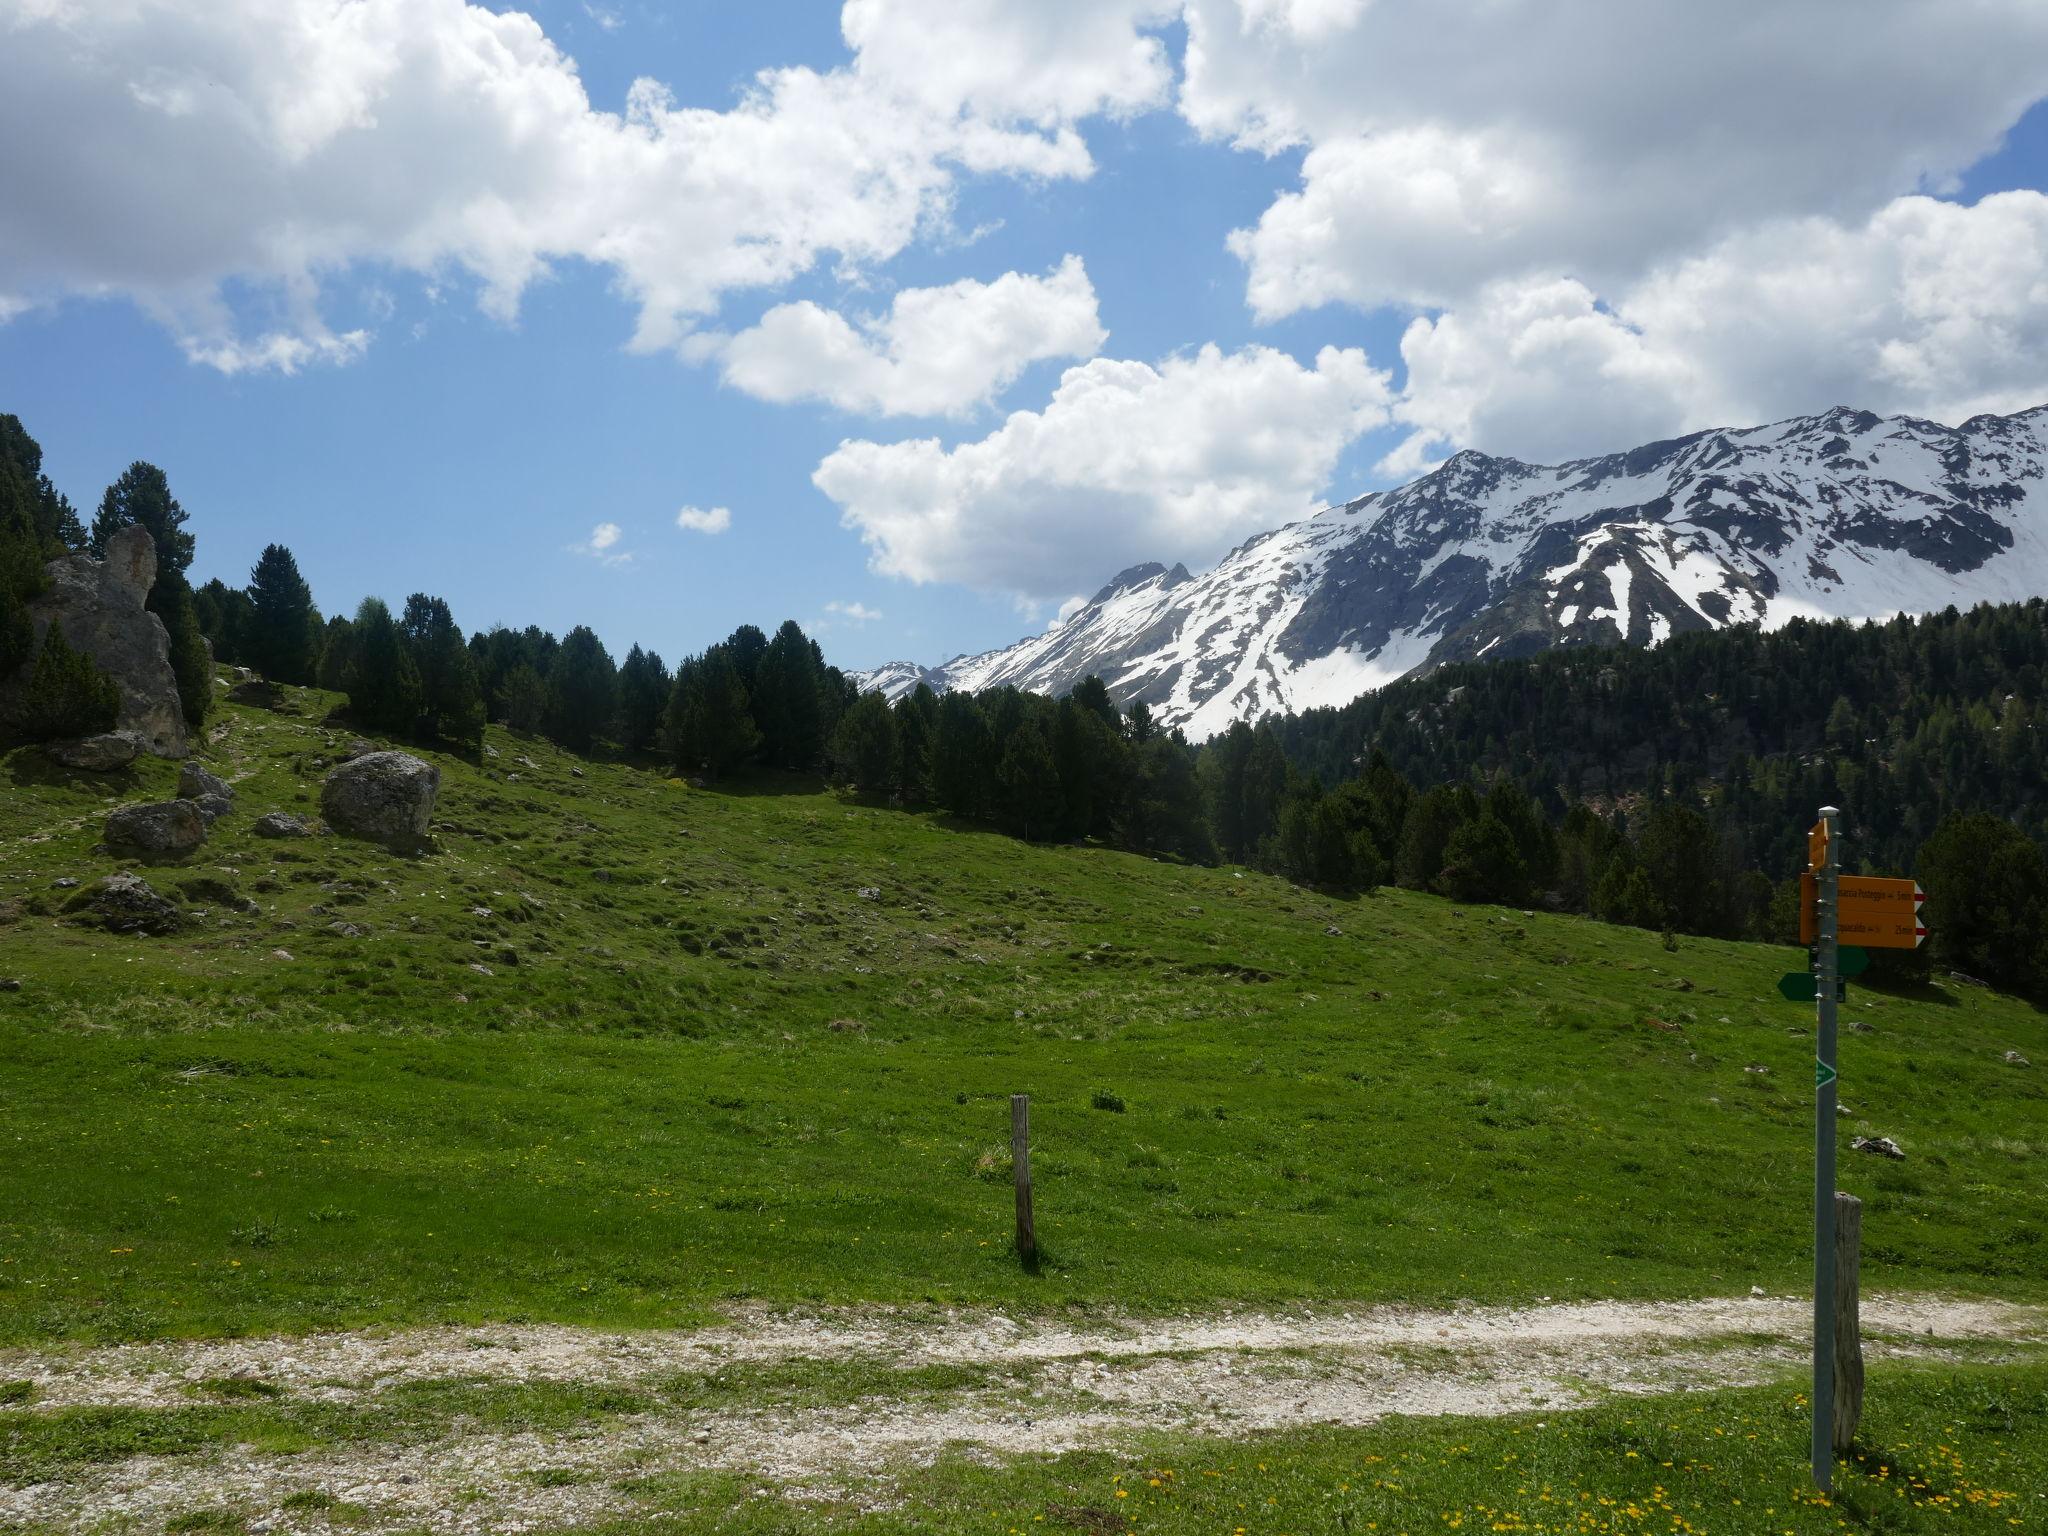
point(627, 1052)
point(1941, 1451)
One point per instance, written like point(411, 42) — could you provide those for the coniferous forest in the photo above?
point(1667, 788)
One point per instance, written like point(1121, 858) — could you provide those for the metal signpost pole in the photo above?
point(1826, 985)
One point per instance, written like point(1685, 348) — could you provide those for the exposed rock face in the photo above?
point(166, 830)
point(96, 754)
point(98, 604)
point(125, 904)
point(384, 797)
point(211, 793)
point(256, 693)
point(281, 824)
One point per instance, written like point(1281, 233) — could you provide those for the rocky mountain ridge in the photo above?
point(1841, 515)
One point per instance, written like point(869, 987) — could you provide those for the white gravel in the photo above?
point(1068, 1384)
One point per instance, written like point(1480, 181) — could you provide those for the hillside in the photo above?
point(1845, 514)
point(624, 1050)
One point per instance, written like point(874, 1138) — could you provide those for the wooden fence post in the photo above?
point(1848, 1330)
point(1020, 1164)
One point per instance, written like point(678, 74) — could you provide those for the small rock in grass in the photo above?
point(870, 893)
point(1858, 1027)
point(65, 883)
point(345, 929)
point(1334, 931)
point(847, 1027)
point(1883, 1146)
point(575, 773)
point(2014, 1058)
point(481, 969)
point(9, 984)
point(1759, 1071)
point(196, 783)
point(280, 954)
point(281, 824)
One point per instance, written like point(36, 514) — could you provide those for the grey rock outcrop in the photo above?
point(383, 797)
point(125, 904)
point(281, 824)
point(96, 754)
point(256, 693)
point(214, 796)
point(99, 606)
point(165, 830)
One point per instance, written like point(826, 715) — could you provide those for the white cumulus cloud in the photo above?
point(853, 613)
point(1126, 462)
point(602, 545)
point(704, 519)
point(182, 150)
point(936, 352)
point(1930, 308)
point(1464, 142)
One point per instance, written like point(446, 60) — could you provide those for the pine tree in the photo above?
point(1028, 781)
point(583, 690)
point(644, 687)
point(963, 756)
point(787, 702)
point(451, 698)
point(866, 751)
point(709, 728)
point(191, 664)
point(66, 694)
point(336, 642)
point(143, 495)
point(526, 699)
point(383, 684)
point(282, 640)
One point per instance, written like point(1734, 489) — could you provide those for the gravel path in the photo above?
point(1056, 1386)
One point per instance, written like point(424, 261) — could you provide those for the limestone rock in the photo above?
point(1883, 1146)
point(2015, 1059)
point(99, 606)
point(96, 754)
point(165, 830)
point(281, 824)
point(212, 794)
point(384, 797)
point(125, 904)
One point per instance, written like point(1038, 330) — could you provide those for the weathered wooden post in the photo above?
point(1848, 1329)
point(1020, 1165)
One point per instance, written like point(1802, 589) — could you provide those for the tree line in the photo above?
point(1668, 789)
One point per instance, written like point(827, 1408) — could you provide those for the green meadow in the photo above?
point(625, 1051)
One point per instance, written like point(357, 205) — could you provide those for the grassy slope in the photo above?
point(645, 1110)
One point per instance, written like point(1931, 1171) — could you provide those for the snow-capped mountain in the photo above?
point(1843, 515)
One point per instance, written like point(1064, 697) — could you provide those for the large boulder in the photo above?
point(167, 830)
point(96, 754)
point(99, 606)
point(125, 904)
point(214, 796)
point(384, 797)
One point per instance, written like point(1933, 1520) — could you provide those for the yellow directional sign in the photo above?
point(1871, 912)
point(1817, 845)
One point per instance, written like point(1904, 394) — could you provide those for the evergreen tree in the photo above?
point(191, 664)
point(963, 756)
point(282, 640)
point(866, 751)
point(451, 697)
point(1028, 782)
point(526, 699)
point(644, 687)
point(917, 729)
point(383, 684)
point(66, 694)
point(335, 642)
point(709, 727)
point(143, 495)
point(1987, 902)
point(787, 701)
point(583, 690)
point(226, 617)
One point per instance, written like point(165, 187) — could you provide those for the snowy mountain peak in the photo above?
point(1843, 514)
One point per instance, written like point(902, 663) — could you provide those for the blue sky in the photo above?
point(1584, 267)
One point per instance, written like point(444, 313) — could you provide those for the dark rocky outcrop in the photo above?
point(99, 606)
point(96, 754)
point(383, 797)
point(281, 824)
point(125, 904)
point(167, 830)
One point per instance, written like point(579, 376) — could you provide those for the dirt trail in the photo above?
point(1043, 1386)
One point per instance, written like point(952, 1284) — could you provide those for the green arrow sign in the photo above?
point(1804, 987)
point(1851, 961)
point(1823, 1074)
